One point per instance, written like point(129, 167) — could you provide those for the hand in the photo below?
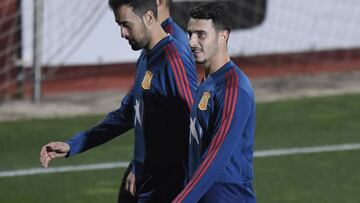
point(53, 150)
point(130, 184)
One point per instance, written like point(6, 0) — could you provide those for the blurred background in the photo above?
point(63, 65)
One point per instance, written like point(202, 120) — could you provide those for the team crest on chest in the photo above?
point(204, 101)
point(146, 83)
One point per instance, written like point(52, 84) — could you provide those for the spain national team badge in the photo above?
point(146, 83)
point(204, 101)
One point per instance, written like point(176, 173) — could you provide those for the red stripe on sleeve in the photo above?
point(174, 69)
point(183, 73)
point(178, 68)
point(228, 112)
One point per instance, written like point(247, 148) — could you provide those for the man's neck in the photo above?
point(217, 62)
point(163, 14)
point(156, 36)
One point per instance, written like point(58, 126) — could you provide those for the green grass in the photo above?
point(306, 122)
point(312, 178)
point(325, 177)
point(27, 137)
point(78, 187)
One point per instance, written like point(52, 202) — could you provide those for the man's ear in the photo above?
point(148, 17)
point(160, 2)
point(223, 36)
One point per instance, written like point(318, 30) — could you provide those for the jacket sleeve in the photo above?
point(230, 125)
point(114, 124)
point(181, 74)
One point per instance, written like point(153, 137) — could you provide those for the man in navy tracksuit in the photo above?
point(222, 120)
point(128, 188)
point(157, 106)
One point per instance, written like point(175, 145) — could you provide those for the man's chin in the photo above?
point(199, 61)
point(135, 48)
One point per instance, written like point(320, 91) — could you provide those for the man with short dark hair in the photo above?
point(222, 120)
point(157, 106)
point(127, 188)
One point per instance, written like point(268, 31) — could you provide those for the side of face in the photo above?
point(132, 27)
point(203, 39)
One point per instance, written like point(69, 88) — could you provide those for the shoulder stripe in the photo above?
point(168, 29)
point(183, 73)
point(228, 113)
point(179, 73)
point(232, 88)
point(176, 70)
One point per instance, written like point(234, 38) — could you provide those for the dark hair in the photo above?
point(168, 3)
point(215, 11)
point(140, 7)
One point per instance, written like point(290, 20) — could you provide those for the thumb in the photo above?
point(59, 147)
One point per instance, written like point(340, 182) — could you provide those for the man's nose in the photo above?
point(124, 32)
point(192, 41)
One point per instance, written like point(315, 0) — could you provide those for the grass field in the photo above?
point(319, 178)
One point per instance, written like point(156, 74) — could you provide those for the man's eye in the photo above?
point(201, 35)
point(125, 25)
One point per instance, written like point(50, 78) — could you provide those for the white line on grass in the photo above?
point(85, 167)
point(306, 150)
point(111, 165)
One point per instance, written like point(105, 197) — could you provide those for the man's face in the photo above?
point(203, 39)
point(132, 27)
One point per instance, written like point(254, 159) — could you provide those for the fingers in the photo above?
point(127, 186)
point(44, 159)
point(133, 184)
point(133, 188)
point(58, 147)
point(46, 156)
point(53, 150)
point(130, 185)
point(127, 183)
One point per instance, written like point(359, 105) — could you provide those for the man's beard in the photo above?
point(134, 45)
point(141, 43)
